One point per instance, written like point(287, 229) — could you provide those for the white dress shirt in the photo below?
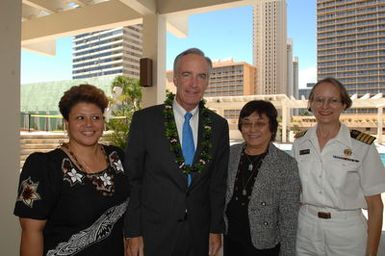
point(179, 113)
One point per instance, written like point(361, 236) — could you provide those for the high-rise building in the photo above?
point(227, 78)
point(290, 68)
point(270, 46)
point(108, 52)
point(351, 44)
point(295, 77)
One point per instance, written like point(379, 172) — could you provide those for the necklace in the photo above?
point(87, 169)
point(251, 163)
point(172, 134)
point(252, 168)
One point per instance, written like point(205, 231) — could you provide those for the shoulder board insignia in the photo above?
point(363, 137)
point(300, 134)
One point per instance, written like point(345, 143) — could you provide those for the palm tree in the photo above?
point(126, 99)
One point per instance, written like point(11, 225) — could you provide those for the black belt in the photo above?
point(324, 215)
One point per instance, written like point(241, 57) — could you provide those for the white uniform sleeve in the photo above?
point(372, 173)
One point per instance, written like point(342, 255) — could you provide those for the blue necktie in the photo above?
point(188, 147)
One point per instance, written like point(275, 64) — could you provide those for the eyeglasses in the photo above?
point(329, 101)
point(249, 125)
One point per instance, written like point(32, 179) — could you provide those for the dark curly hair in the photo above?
point(83, 93)
point(261, 107)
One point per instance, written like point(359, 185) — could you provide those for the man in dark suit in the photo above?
point(176, 204)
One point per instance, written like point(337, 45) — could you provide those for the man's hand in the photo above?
point(134, 246)
point(215, 242)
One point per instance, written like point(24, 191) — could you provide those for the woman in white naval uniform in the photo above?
point(341, 173)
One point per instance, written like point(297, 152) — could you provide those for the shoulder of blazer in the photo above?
point(279, 159)
point(363, 137)
point(236, 148)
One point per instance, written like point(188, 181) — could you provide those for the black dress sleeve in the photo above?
point(115, 157)
point(38, 187)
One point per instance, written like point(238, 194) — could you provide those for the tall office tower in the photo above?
point(351, 44)
point(108, 52)
point(295, 77)
point(269, 46)
point(295, 82)
point(289, 60)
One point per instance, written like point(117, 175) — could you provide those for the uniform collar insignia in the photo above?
point(347, 152)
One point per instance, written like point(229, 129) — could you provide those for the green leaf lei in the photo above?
point(171, 133)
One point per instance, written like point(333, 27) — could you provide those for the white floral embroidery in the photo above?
point(75, 176)
point(115, 162)
point(106, 179)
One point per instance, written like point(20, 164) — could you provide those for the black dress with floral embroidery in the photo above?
point(83, 211)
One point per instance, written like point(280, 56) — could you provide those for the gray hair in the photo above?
point(192, 51)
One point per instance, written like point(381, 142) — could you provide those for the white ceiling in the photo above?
point(43, 21)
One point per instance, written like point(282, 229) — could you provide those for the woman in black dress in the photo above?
point(71, 200)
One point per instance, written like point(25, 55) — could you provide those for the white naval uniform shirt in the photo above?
point(342, 174)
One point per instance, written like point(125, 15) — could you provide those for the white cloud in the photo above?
point(307, 75)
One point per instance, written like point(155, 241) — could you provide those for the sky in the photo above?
point(222, 34)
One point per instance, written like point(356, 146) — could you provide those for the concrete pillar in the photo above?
point(10, 31)
point(380, 112)
point(154, 47)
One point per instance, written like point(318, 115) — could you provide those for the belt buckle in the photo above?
point(324, 215)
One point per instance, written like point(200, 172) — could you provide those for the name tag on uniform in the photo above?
point(304, 151)
point(346, 159)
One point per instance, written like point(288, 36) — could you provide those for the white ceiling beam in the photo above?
point(198, 6)
point(28, 12)
point(96, 17)
point(45, 5)
point(47, 48)
point(80, 2)
point(177, 25)
point(143, 7)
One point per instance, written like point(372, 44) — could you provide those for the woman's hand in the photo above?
point(134, 246)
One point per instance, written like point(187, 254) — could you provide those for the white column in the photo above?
point(154, 47)
point(379, 124)
point(10, 31)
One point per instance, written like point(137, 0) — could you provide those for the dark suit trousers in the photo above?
point(183, 245)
